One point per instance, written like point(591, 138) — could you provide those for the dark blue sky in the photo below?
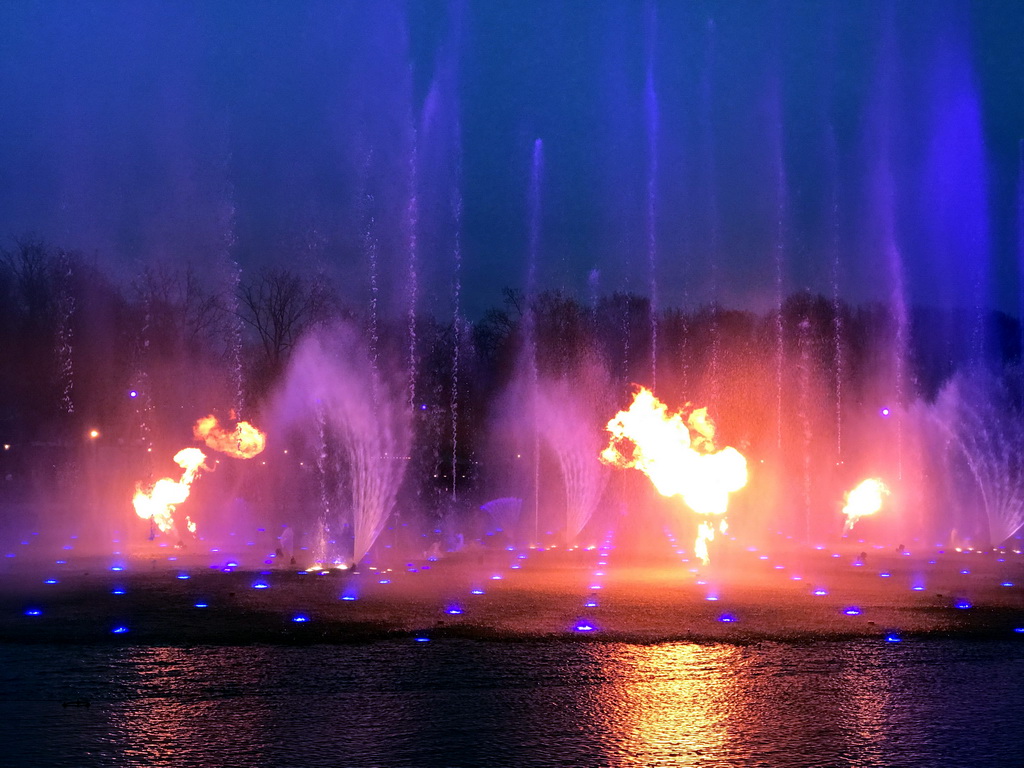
point(832, 133)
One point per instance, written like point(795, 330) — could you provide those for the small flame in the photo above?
point(865, 499)
point(159, 502)
point(679, 457)
point(243, 442)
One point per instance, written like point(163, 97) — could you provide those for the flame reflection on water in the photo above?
point(862, 703)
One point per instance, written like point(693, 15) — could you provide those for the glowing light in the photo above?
point(119, 630)
point(243, 442)
point(33, 612)
point(117, 591)
point(852, 611)
point(679, 457)
point(132, 394)
point(727, 618)
point(963, 604)
point(260, 585)
point(116, 568)
point(202, 605)
point(820, 592)
point(476, 592)
point(183, 576)
point(1006, 584)
point(300, 618)
point(865, 499)
point(51, 581)
point(885, 412)
point(892, 637)
point(94, 433)
point(159, 502)
point(453, 610)
point(584, 626)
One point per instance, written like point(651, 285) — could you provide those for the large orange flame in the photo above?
point(865, 499)
point(679, 457)
point(158, 503)
point(243, 442)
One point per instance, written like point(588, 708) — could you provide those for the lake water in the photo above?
point(462, 703)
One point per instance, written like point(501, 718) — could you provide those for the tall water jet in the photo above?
point(779, 168)
point(651, 212)
point(884, 197)
point(711, 200)
point(536, 174)
point(65, 317)
point(332, 390)
point(456, 333)
point(838, 358)
point(412, 286)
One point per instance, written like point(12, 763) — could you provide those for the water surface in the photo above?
point(455, 703)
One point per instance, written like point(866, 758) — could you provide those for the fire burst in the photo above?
point(680, 458)
point(159, 502)
point(243, 442)
point(865, 499)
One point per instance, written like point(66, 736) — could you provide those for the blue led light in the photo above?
point(300, 618)
point(260, 585)
point(119, 630)
point(1007, 584)
point(202, 605)
point(476, 591)
point(384, 581)
point(892, 637)
point(584, 626)
point(117, 591)
point(422, 639)
point(51, 581)
point(820, 592)
point(727, 618)
point(454, 610)
point(33, 612)
point(183, 576)
point(962, 604)
point(349, 597)
point(852, 611)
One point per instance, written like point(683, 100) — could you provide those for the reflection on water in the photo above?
point(673, 701)
point(460, 703)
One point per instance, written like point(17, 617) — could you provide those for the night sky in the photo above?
point(691, 151)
